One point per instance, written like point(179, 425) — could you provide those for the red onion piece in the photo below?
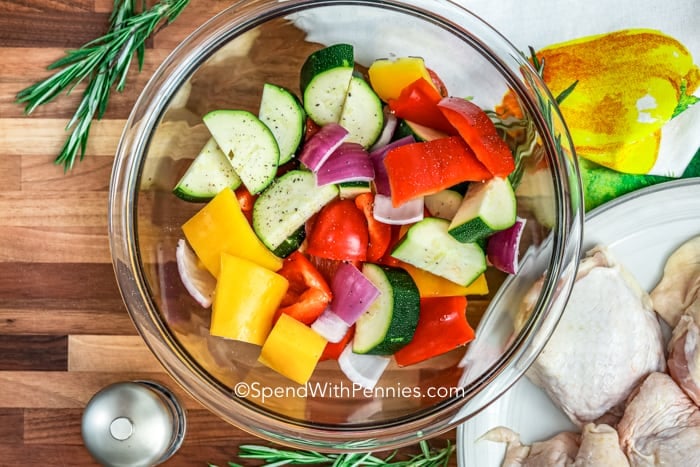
point(330, 326)
point(390, 124)
point(353, 293)
point(198, 282)
point(381, 179)
point(503, 247)
point(321, 145)
point(362, 369)
point(349, 162)
point(408, 213)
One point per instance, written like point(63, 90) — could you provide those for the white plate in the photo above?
point(641, 230)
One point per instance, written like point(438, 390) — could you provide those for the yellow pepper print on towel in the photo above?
point(629, 84)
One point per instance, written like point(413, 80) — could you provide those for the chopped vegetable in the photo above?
point(334, 349)
point(363, 370)
point(284, 115)
point(292, 349)
point(248, 143)
point(324, 80)
point(308, 294)
point(221, 227)
point(339, 232)
point(390, 77)
point(209, 173)
point(379, 232)
point(477, 129)
point(425, 168)
point(349, 190)
point(330, 326)
point(442, 327)
point(353, 293)
point(430, 285)
point(389, 322)
point(418, 103)
point(428, 246)
point(286, 206)
point(408, 213)
point(443, 204)
point(349, 162)
point(486, 208)
point(503, 247)
point(390, 124)
point(321, 145)
point(197, 280)
point(362, 113)
point(246, 298)
point(381, 179)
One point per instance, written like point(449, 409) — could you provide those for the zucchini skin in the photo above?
point(405, 308)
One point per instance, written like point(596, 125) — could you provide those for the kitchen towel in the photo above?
point(631, 113)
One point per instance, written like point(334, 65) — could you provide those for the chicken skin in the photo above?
point(590, 364)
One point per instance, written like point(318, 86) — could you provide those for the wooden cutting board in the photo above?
point(64, 331)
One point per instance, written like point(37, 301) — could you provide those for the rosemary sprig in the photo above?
point(273, 457)
point(104, 64)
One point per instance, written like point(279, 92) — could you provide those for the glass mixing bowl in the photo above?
point(224, 65)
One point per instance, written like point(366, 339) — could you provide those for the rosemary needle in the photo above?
point(103, 64)
point(273, 457)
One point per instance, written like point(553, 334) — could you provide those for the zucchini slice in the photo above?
point(284, 115)
point(324, 80)
point(249, 144)
point(487, 207)
point(287, 204)
point(428, 246)
point(390, 321)
point(209, 173)
point(362, 113)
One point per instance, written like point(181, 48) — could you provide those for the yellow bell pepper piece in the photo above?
point(628, 86)
point(292, 349)
point(389, 77)
point(430, 285)
point(245, 300)
point(221, 227)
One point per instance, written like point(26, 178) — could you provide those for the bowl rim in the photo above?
point(123, 197)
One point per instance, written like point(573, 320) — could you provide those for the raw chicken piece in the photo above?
point(684, 356)
point(606, 342)
point(661, 425)
point(677, 299)
point(679, 288)
point(600, 447)
point(558, 451)
point(596, 446)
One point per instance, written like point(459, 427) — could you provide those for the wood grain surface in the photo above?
point(64, 331)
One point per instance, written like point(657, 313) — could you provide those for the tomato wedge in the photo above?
point(308, 294)
point(340, 232)
point(442, 326)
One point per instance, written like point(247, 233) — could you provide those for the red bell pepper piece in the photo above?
point(420, 169)
point(310, 129)
point(379, 232)
point(308, 294)
point(418, 103)
point(246, 200)
point(438, 83)
point(480, 133)
point(333, 350)
point(442, 326)
point(339, 231)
